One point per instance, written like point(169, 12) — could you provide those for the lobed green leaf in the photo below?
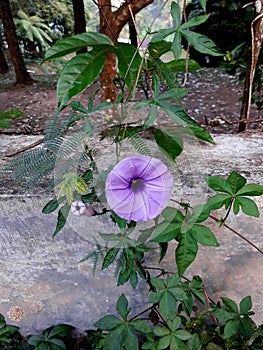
point(108, 323)
point(109, 257)
point(171, 146)
point(201, 43)
point(251, 190)
point(248, 206)
point(79, 73)
point(185, 252)
point(122, 306)
point(245, 305)
point(204, 235)
point(75, 43)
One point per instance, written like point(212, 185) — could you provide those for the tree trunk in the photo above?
point(133, 34)
point(22, 75)
point(256, 34)
point(111, 24)
point(3, 62)
point(79, 19)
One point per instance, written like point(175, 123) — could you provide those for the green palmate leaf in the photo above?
point(178, 116)
point(236, 181)
point(219, 200)
point(119, 221)
point(185, 252)
point(200, 214)
point(128, 266)
point(245, 305)
point(152, 114)
point(78, 74)
point(172, 214)
point(182, 334)
point(159, 48)
point(115, 338)
point(176, 14)
point(56, 344)
point(141, 105)
point(194, 21)
point(246, 327)
point(194, 343)
point(177, 45)
point(171, 145)
point(162, 34)
point(231, 306)
point(165, 342)
point(166, 231)
point(167, 304)
point(35, 340)
point(247, 205)
point(161, 331)
point(201, 43)
point(60, 331)
point(157, 283)
point(108, 323)
point(129, 62)
point(141, 326)
point(77, 106)
point(231, 328)
point(203, 235)
point(219, 184)
point(122, 307)
point(130, 340)
point(179, 65)
point(174, 324)
point(75, 43)
point(163, 246)
point(62, 218)
point(110, 257)
point(222, 315)
point(173, 94)
point(251, 190)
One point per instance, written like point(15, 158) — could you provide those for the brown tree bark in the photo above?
point(79, 19)
point(256, 39)
point(22, 75)
point(111, 24)
point(3, 61)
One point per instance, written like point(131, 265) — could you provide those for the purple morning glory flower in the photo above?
point(138, 188)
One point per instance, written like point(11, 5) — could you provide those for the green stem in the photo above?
point(229, 210)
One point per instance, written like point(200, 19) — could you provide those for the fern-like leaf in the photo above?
point(166, 75)
point(140, 145)
point(72, 182)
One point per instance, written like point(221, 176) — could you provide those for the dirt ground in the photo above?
point(213, 101)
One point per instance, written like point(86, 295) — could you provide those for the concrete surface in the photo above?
point(42, 282)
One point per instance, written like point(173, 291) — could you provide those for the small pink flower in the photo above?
point(79, 208)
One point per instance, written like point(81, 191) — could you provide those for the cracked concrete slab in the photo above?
point(42, 282)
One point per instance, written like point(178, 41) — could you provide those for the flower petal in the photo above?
point(146, 201)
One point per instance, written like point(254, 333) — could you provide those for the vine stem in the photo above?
point(229, 228)
point(229, 209)
point(238, 234)
point(145, 36)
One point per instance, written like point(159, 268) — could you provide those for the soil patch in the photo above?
point(213, 101)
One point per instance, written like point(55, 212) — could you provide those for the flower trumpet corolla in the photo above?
point(138, 188)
